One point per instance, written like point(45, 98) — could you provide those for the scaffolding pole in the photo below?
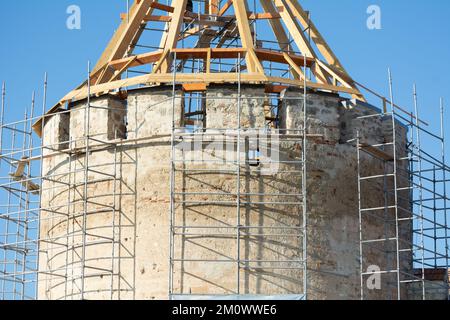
point(425, 214)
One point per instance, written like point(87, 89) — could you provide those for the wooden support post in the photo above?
point(294, 66)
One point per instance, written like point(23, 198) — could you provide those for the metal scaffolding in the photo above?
point(48, 249)
point(413, 183)
point(240, 155)
point(60, 258)
point(19, 209)
point(412, 180)
point(56, 262)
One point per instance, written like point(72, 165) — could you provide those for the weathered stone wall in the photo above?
point(137, 172)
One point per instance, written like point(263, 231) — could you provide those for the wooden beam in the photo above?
point(162, 7)
point(203, 19)
point(267, 55)
point(243, 23)
point(312, 85)
point(119, 44)
point(276, 25)
point(334, 74)
point(208, 61)
point(194, 87)
point(98, 79)
point(80, 94)
point(264, 16)
point(271, 88)
point(376, 152)
point(225, 8)
point(159, 64)
point(216, 53)
point(300, 38)
point(173, 32)
point(123, 69)
point(321, 44)
point(214, 7)
point(151, 18)
point(278, 29)
point(137, 60)
point(294, 66)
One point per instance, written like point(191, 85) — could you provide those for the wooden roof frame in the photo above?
point(117, 58)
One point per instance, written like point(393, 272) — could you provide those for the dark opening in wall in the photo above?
point(272, 107)
point(56, 133)
point(117, 112)
point(194, 110)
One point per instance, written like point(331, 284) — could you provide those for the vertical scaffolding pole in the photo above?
point(69, 207)
point(3, 276)
point(421, 213)
point(113, 240)
point(394, 151)
point(411, 157)
point(361, 254)
point(172, 181)
point(2, 117)
point(27, 195)
point(435, 221)
point(238, 185)
point(18, 251)
point(18, 283)
point(41, 181)
point(304, 186)
point(86, 174)
point(6, 274)
point(444, 187)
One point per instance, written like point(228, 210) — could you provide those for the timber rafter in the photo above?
point(216, 25)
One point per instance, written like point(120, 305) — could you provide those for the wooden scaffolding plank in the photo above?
point(376, 152)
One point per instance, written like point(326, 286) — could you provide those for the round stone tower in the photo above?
point(152, 203)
